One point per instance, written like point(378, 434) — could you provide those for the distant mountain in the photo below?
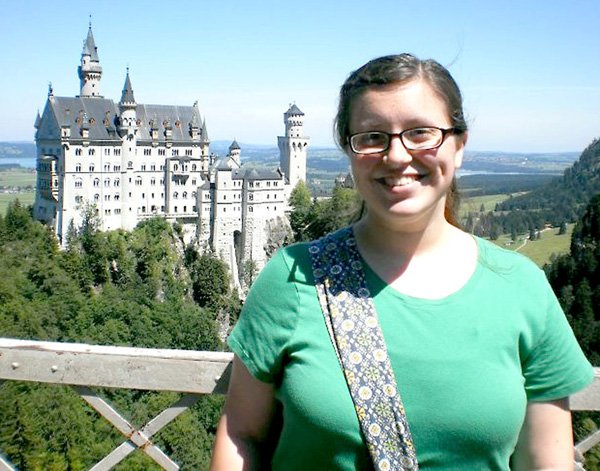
point(17, 150)
point(565, 197)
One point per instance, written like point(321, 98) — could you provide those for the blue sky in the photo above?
point(529, 70)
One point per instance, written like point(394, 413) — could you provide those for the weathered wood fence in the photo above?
point(193, 373)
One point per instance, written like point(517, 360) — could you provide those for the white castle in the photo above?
point(133, 161)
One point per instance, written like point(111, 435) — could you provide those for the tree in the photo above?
point(563, 228)
point(210, 282)
point(301, 203)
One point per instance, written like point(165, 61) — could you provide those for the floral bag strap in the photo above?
point(357, 339)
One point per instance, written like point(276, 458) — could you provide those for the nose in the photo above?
point(397, 154)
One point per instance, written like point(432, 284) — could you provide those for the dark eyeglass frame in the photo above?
point(390, 135)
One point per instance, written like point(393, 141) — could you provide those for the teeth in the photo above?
point(400, 181)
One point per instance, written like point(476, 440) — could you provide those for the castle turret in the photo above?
point(127, 106)
point(89, 71)
point(293, 147)
point(234, 152)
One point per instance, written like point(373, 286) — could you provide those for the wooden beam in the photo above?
point(115, 367)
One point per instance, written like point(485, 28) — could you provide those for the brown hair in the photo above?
point(396, 69)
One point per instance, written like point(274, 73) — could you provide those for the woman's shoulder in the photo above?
point(504, 261)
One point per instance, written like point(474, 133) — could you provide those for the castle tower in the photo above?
point(128, 130)
point(89, 71)
point(234, 152)
point(293, 147)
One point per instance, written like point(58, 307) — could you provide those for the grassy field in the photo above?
point(25, 197)
point(540, 251)
point(17, 177)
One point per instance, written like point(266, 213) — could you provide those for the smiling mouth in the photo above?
point(403, 180)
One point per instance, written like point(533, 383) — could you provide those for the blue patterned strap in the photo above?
point(359, 344)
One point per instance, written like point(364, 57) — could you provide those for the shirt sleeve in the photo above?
point(267, 321)
point(556, 367)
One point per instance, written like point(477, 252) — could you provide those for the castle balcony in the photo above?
point(191, 373)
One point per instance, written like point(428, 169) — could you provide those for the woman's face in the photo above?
point(399, 186)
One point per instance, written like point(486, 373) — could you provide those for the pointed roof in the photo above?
point(204, 132)
point(234, 146)
point(38, 120)
point(294, 110)
point(127, 95)
point(89, 47)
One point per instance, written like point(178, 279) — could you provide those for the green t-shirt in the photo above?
point(466, 365)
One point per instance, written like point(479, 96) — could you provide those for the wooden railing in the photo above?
point(193, 373)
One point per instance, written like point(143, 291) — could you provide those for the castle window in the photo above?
point(268, 195)
point(175, 167)
point(153, 181)
point(118, 211)
point(194, 209)
point(175, 152)
point(162, 181)
point(117, 182)
point(175, 195)
point(107, 182)
point(185, 195)
point(78, 151)
point(188, 152)
point(106, 197)
point(107, 151)
point(96, 182)
point(117, 151)
point(194, 194)
point(185, 209)
point(96, 197)
point(193, 167)
point(78, 167)
point(116, 168)
point(107, 167)
point(224, 197)
point(194, 181)
point(143, 168)
point(92, 168)
point(175, 208)
point(250, 209)
point(161, 152)
point(78, 183)
point(152, 167)
point(117, 196)
point(91, 151)
point(138, 181)
point(268, 183)
point(78, 199)
point(147, 151)
point(130, 164)
point(143, 209)
point(250, 196)
point(275, 183)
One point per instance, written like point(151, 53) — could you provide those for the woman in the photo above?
point(483, 357)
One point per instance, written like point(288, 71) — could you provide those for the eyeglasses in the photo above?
point(375, 142)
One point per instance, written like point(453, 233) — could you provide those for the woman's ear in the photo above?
point(461, 142)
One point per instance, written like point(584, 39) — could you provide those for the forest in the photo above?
point(142, 288)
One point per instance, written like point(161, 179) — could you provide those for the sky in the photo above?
point(529, 70)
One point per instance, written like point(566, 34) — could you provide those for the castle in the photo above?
point(133, 161)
